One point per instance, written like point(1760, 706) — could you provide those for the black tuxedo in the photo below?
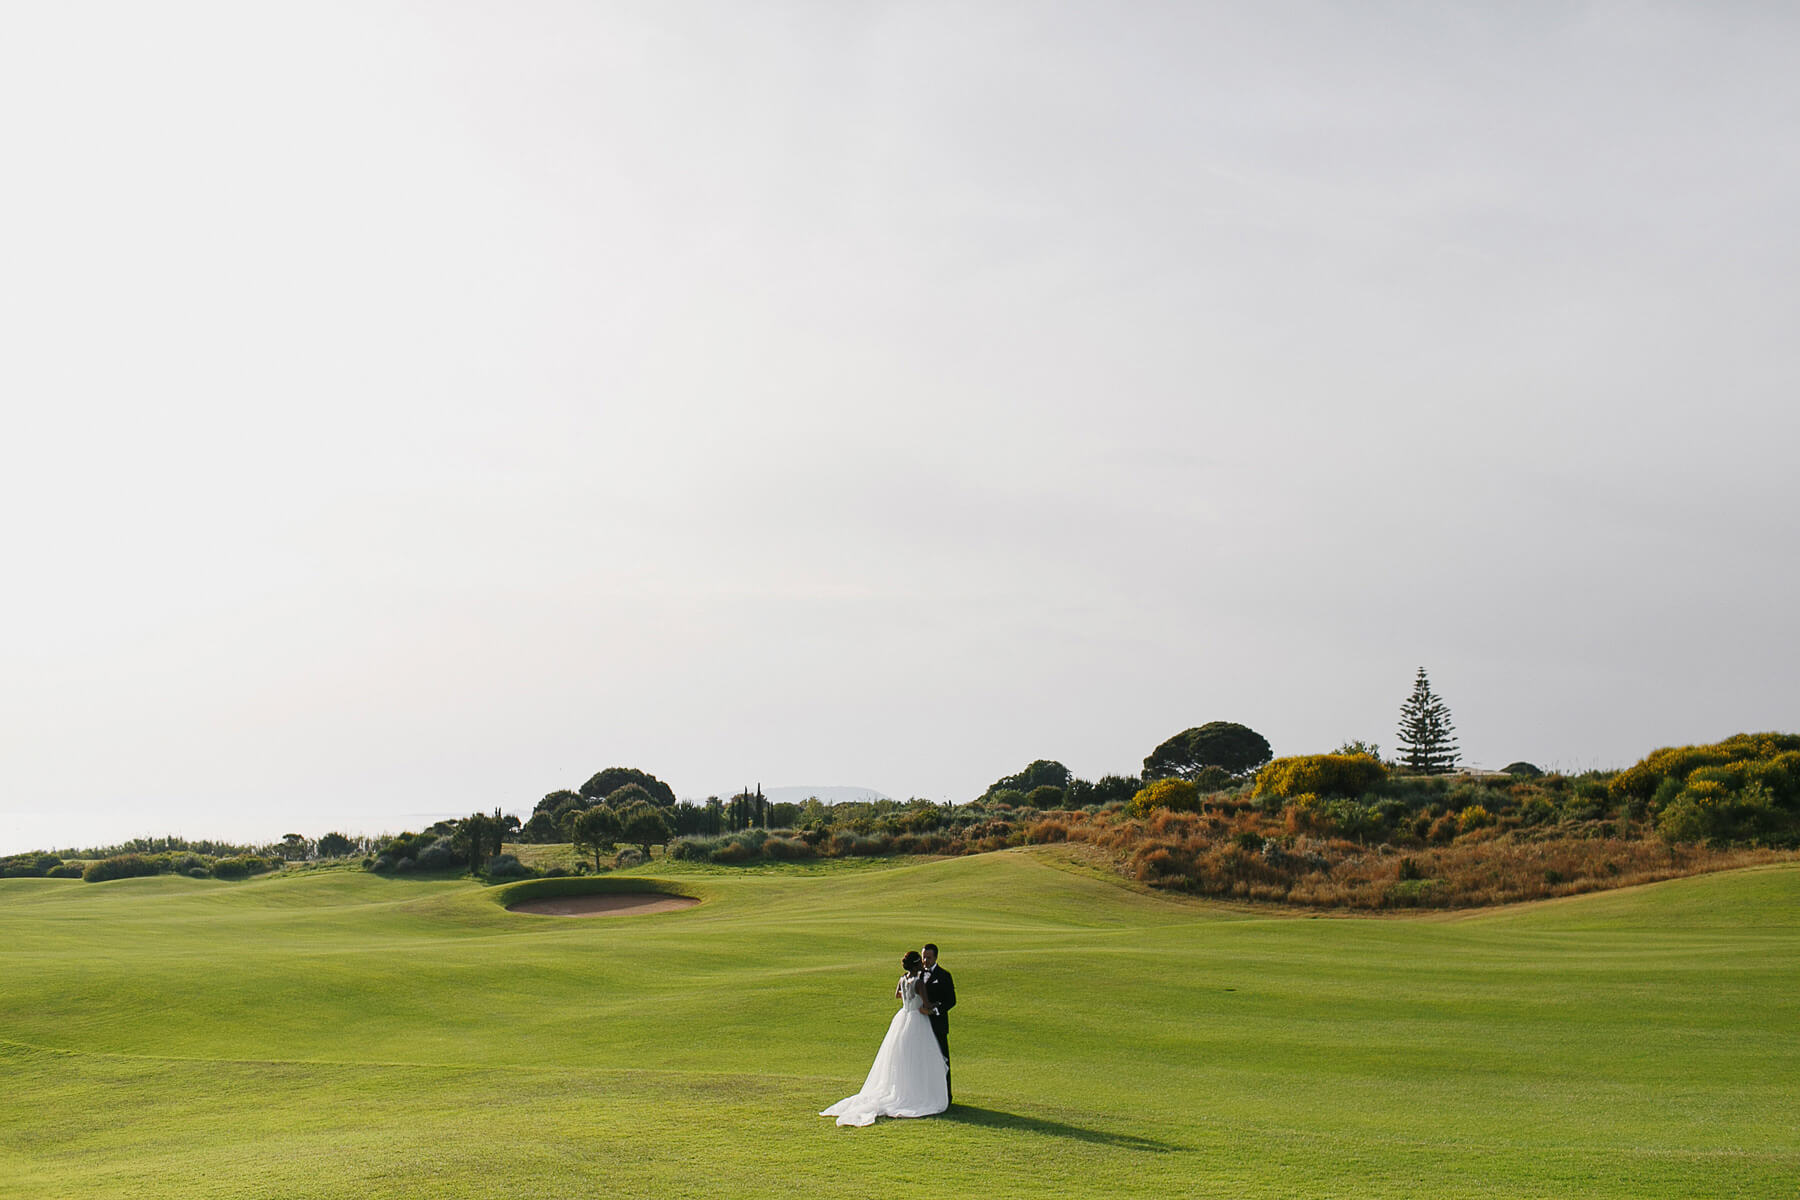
point(941, 989)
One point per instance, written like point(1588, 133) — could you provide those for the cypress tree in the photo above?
point(1427, 738)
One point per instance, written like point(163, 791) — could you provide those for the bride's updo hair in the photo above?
point(912, 963)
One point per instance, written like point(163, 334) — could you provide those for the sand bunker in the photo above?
point(604, 904)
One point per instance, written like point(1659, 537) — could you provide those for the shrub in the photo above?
point(1522, 770)
point(1586, 801)
point(438, 856)
point(1351, 818)
point(66, 870)
point(1736, 790)
point(1412, 893)
point(28, 866)
point(1212, 779)
point(737, 847)
point(733, 850)
point(1490, 795)
point(1643, 779)
point(240, 867)
point(1310, 813)
point(404, 846)
point(506, 866)
point(845, 844)
point(120, 866)
point(1780, 774)
point(789, 848)
point(1417, 791)
point(1686, 820)
point(1321, 774)
point(1300, 814)
point(928, 843)
point(922, 819)
point(335, 845)
point(691, 849)
point(1174, 793)
point(1710, 809)
point(199, 873)
point(1156, 863)
point(631, 856)
point(990, 835)
point(1047, 796)
point(1537, 811)
point(1753, 811)
point(1473, 817)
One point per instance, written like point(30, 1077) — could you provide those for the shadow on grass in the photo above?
point(968, 1114)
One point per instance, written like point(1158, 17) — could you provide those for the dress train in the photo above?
point(909, 1077)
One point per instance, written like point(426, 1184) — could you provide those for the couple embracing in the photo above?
point(911, 1075)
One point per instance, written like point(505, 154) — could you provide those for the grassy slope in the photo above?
point(336, 1034)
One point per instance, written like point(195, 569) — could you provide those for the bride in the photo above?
point(908, 1078)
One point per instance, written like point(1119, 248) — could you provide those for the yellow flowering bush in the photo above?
point(1321, 774)
point(1746, 787)
point(1179, 795)
point(1473, 817)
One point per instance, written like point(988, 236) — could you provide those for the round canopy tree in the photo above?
point(1045, 772)
point(643, 824)
point(1227, 745)
point(335, 845)
point(625, 797)
point(595, 830)
point(559, 802)
point(541, 828)
point(612, 779)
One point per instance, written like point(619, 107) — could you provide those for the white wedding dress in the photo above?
point(908, 1078)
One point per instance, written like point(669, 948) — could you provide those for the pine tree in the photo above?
point(1427, 738)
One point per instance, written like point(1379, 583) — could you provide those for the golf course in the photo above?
point(328, 1032)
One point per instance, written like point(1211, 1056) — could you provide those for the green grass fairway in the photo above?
point(331, 1033)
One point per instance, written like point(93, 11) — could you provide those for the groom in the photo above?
point(943, 998)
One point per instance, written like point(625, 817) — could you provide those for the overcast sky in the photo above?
point(413, 408)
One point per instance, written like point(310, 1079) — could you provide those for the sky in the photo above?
point(414, 408)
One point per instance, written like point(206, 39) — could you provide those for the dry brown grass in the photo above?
point(1246, 855)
